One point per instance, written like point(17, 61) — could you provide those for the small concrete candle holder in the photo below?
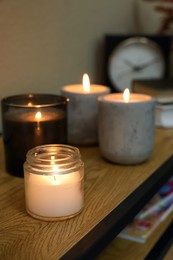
point(126, 127)
point(83, 111)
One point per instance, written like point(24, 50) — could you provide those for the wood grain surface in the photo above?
point(106, 186)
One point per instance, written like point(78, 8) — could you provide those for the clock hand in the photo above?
point(142, 66)
point(133, 66)
point(148, 63)
point(125, 72)
point(137, 68)
point(129, 63)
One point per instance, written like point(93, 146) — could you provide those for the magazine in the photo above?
point(147, 220)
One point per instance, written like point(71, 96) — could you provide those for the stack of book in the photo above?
point(151, 216)
point(162, 90)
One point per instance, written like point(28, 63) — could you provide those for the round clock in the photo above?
point(135, 58)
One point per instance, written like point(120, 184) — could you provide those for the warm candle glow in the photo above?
point(126, 95)
point(38, 115)
point(55, 169)
point(52, 159)
point(30, 104)
point(86, 83)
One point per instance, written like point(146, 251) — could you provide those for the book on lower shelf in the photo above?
point(162, 90)
point(151, 216)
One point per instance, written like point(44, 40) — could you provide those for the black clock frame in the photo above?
point(112, 41)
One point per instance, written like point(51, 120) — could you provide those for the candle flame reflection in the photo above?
point(56, 180)
point(38, 116)
point(86, 83)
point(126, 95)
point(52, 159)
point(29, 104)
point(52, 162)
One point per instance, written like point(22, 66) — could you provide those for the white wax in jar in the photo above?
point(55, 195)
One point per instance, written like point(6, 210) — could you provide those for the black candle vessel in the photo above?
point(30, 120)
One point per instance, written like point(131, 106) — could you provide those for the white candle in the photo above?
point(57, 195)
point(127, 97)
point(53, 182)
point(83, 111)
point(126, 127)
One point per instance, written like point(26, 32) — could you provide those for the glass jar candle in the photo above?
point(53, 177)
point(30, 120)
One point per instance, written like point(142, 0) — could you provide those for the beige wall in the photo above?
point(45, 44)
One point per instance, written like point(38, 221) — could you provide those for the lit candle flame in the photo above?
point(86, 83)
point(126, 95)
point(29, 104)
point(38, 115)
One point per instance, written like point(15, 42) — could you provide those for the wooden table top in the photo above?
point(106, 187)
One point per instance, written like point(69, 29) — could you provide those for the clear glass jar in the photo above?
point(54, 177)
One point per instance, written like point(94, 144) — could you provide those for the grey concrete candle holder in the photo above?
point(82, 115)
point(126, 130)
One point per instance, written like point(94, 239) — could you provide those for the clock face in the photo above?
point(135, 58)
